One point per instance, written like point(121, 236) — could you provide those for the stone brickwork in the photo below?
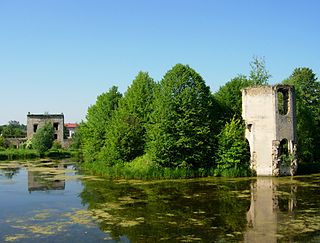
point(269, 114)
point(35, 121)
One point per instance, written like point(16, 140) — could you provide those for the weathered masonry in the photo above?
point(269, 114)
point(34, 121)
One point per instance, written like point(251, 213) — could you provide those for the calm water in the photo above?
point(51, 202)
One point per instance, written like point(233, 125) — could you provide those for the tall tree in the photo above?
point(233, 150)
point(229, 97)
point(307, 89)
point(181, 131)
point(93, 131)
point(259, 75)
point(126, 130)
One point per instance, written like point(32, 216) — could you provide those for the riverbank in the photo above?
point(23, 154)
point(143, 168)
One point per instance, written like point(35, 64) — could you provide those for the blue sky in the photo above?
point(58, 55)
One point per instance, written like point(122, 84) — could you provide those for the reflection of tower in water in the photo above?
point(44, 180)
point(266, 211)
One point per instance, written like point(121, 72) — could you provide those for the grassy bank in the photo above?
point(18, 154)
point(23, 154)
point(143, 168)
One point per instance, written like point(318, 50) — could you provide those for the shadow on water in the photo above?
point(64, 205)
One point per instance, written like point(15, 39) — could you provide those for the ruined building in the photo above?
point(269, 114)
point(34, 121)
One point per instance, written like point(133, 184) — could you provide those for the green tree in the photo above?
point(13, 130)
point(233, 150)
point(43, 139)
point(126, 130)
point(307, 89)
point(229, 97)
point(2, 142)
point(76, 139)
point(181, 132)
point(259, 75)
point(93, 131)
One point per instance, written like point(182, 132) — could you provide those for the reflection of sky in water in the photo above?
point(43, 214)
point(14, 192)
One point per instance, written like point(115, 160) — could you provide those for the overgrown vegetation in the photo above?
point(41, 145)
point(178, 129)
point(307, 89)
point(233, 152)
point(13, 130)
point(168, 129)
point(181, 131)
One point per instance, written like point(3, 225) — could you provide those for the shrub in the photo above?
point(43, 139)
point(233, 150)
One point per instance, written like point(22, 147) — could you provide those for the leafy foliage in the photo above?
point(76, 139)
point(307, 89)
point(2, 143)
point(13, 130)
point(98, 116)
point(259, 75)
point(229, 97)
point(181, 129)
point(43, 138)
point(233, 150)
point(177, 128)
point(127, 128)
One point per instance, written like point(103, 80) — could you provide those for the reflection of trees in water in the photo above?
point(9, 173)
point(170, 210)
point(258, 210)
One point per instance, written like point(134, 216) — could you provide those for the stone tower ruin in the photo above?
point(269, 114)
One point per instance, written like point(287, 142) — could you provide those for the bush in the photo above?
point(13, 154)
point(43, 139)
point(233, 150)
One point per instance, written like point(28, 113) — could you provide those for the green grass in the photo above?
point(23, 154)
point(16, 154)
point(234, 172)
point(143, 168)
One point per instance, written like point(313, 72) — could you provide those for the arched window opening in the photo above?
point(283, 101)
point(283, 148)
point(285, 157)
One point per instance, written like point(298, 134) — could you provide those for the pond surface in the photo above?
point(52, 202)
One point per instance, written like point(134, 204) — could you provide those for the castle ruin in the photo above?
point(269, 114)
point(34, 121)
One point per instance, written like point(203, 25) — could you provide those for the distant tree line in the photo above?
point(13, 130)
point(179, 123)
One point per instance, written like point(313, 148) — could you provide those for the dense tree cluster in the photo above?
point(13, 130)
point(181, 131)
point(175, 122)
point(179, 123)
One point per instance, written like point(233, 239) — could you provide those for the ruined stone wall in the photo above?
point(268, 127)
point(35, 121)
point(285, 131)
